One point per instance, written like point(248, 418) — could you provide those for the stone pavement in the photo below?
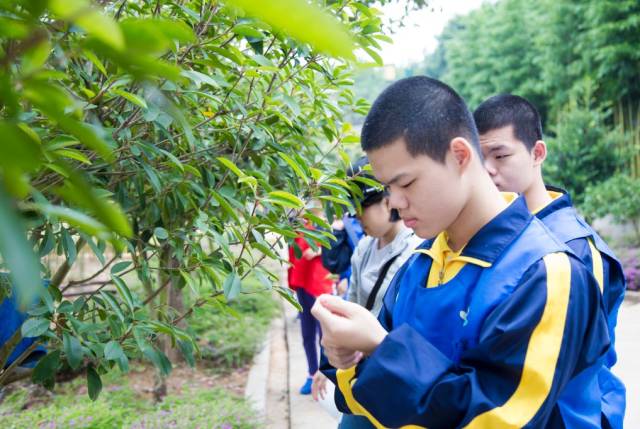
point(628, 349)
point(276, 376)
point(305, 413)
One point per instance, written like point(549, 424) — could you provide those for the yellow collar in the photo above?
point(554, 196)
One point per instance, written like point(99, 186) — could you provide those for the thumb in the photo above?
point(320, 312)
point(337, 305)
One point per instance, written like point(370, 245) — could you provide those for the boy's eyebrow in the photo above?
point(497, 147)
point(395, 179)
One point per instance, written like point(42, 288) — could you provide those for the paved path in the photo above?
point(628, 348)
point(305, 412)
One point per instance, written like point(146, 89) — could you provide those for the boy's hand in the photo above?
point(348, 330)
point(319, 386)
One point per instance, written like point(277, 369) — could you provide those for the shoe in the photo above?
point(306, 387)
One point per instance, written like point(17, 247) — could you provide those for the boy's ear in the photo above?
point(462, 151)
point(539, 152)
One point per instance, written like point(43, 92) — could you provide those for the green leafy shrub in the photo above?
point(619, 197)
point(583, 152)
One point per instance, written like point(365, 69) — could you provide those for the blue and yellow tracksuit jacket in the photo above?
point(483, 338)
point(562, 219)
point(11, 320)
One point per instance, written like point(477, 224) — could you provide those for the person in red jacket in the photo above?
point(309, 279)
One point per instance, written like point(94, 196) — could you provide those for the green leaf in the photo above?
point(113, 304)
point(120, 266)
point(123, 290)
point(113, 351)
point(200, 78)
point(73, 154)
point(94, 383)
point(65, 307)
point(73, 217)
point(264, 62)
point(35, 327)
point(231, 286)
point(288, 295)
point(225, 206)
point(161, 233)
point(346, 203)
point(228, 52)
point(96, 61)
point(174, 160)
point(318, 221)
point(18, 255)
point(265, 250)
point(153, 178)
point(45, 370)
point(186, 347)
point(283, 197)
point(158, 359)
point(248, 31)
point(231, 166)
point(303, 21)
point(374, 55)
point(72, 349)
point(19, 149)
point(138, 101)
point(96, 251)
point(69, 247)
point(294, 166)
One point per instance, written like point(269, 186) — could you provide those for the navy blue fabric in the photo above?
point(310, 327)
point(457, 350)
point(337, 258)
point(563, 220)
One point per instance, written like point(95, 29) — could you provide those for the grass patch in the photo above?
point(231, 337)
point(124, 408)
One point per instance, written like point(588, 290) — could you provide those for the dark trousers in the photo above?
point(310, 328)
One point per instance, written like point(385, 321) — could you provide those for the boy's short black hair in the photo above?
point(506, 109)
point(425, 112)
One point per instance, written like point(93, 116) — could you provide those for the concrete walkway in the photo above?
point(628, 349)
point(278, 371)
point(304, 411)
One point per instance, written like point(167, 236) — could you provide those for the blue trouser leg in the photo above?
point(310, 330)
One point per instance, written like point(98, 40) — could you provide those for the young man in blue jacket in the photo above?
point(491, 318)
point(511, 142)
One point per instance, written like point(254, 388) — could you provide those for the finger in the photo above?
point(339, 306)
point(320, 312)
point(345, 362)
point(338, 352)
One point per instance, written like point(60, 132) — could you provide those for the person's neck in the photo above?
point(390, 235)
point(484, 204)
point(537, 195)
